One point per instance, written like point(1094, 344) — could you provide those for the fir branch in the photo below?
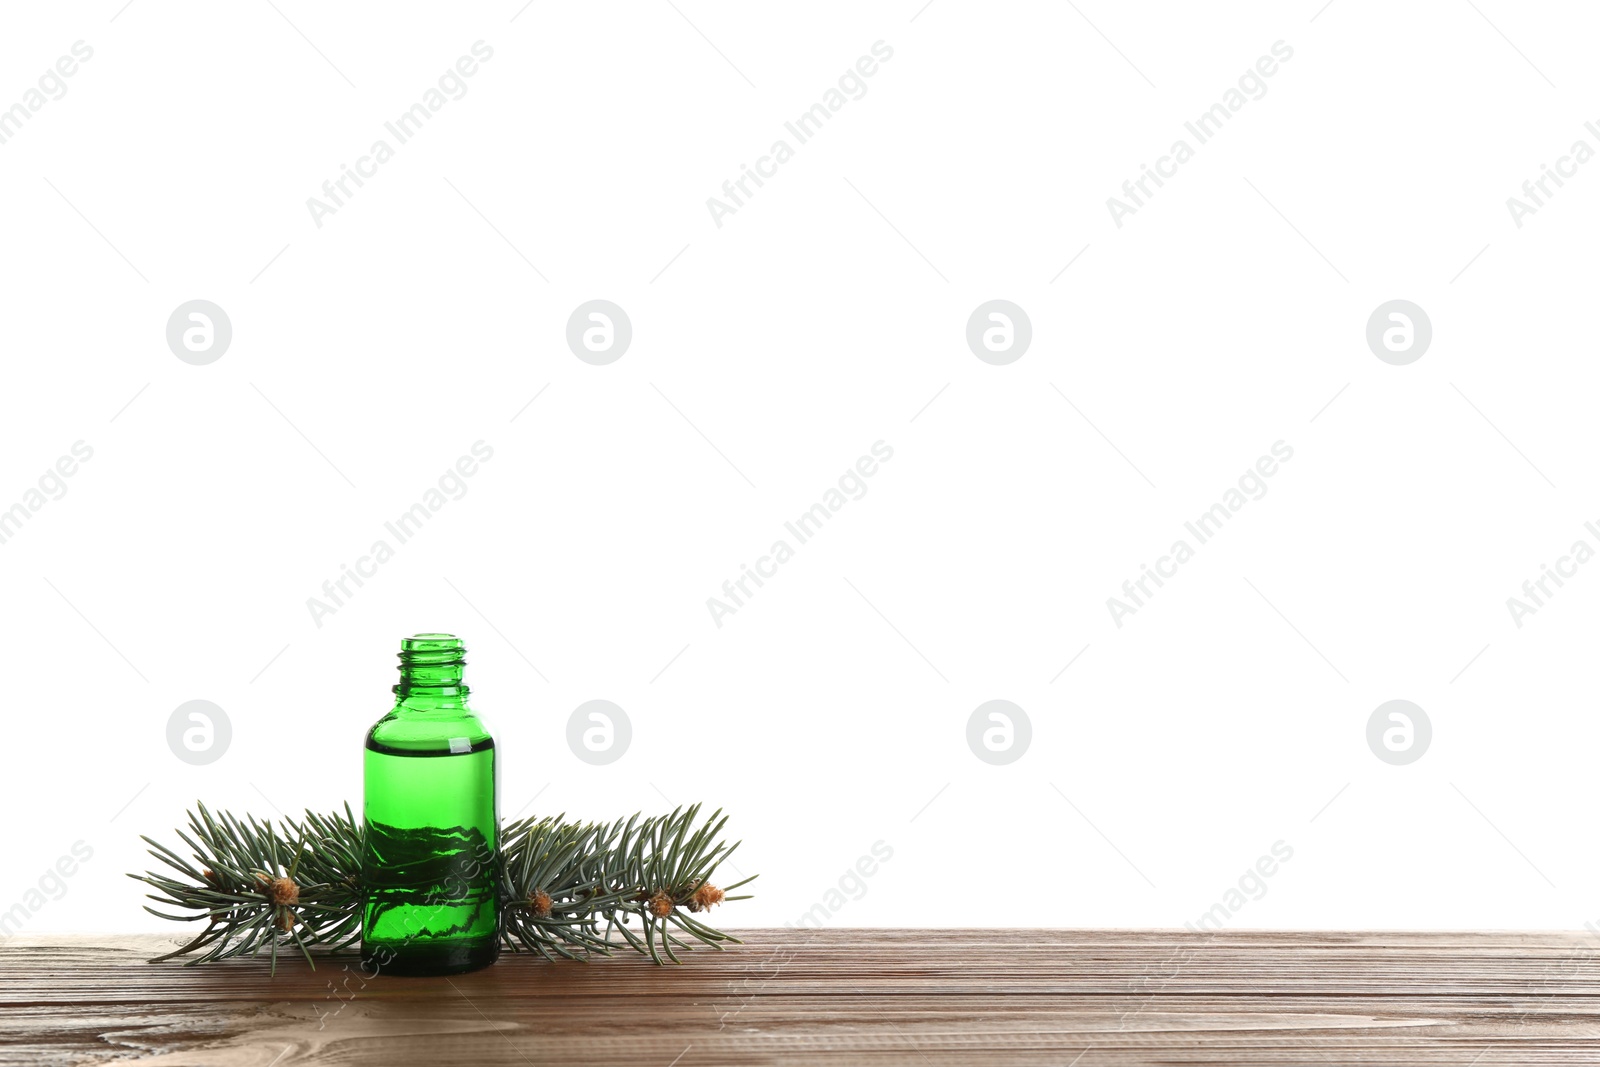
point(567, 890)
point(669, 874)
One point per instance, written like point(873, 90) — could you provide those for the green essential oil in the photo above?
point(431, 823)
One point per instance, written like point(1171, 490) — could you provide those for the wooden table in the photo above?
point(924, 997)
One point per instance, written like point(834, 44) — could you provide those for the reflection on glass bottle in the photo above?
point(431, 822)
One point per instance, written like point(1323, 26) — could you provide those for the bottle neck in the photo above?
point(431, 673)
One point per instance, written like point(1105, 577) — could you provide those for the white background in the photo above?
point(768, 354)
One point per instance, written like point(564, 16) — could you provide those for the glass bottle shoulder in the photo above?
point(414, 727)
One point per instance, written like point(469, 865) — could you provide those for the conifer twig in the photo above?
point(567, 890)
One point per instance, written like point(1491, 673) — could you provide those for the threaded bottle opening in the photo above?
point(431, 662)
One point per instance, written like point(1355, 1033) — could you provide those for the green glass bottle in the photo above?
point(432, 820)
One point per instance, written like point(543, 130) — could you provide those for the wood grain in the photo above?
point(874, 997)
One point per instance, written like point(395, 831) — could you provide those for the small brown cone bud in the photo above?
point(539, 901)
point(705, 896)
point(283, 891)
point(660, 905)
point(285, 919)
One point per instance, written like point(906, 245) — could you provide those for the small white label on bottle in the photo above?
point(460, 744)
